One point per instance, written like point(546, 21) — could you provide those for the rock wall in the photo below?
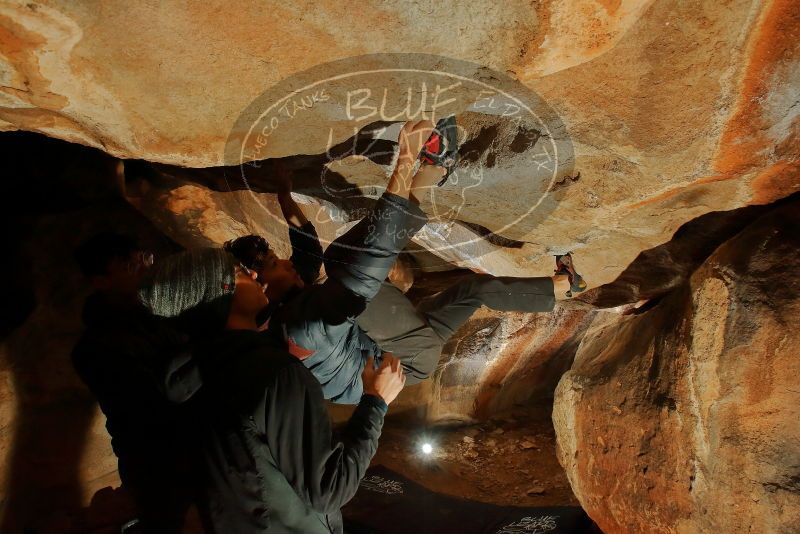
point(499, 360)
point(136, 79)
point(683, 418)
point(674, 108)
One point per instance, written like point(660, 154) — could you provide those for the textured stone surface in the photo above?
point(659, 270)
point(684, 418)
point(675, 109)
point(136, 79)
point(497, 360)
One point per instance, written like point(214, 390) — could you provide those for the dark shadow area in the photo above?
point(525, 139)
point(657, 271)
point(473, 149)
point(390, 503)
point(311, 177)
point(537, 382)
point(491, 237)
point(309, 174)
point(55, 195)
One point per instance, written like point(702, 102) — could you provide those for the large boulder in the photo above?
point(501, 359)
point(162, 82)
point(683, 418)
point(674, 109)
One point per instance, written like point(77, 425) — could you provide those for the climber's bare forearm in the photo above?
point(400, 182)
point(291, 211)
point(411, 140)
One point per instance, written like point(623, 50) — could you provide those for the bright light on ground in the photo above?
point(427, 448)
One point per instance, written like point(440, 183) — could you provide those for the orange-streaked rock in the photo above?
point(675, 110)
point(683, 418)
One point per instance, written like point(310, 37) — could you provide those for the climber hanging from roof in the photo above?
point(332, 328)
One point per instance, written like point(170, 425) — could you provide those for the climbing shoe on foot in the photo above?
point(565, 266)
point(441, 147)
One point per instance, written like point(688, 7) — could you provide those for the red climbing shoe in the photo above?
point(441, 148)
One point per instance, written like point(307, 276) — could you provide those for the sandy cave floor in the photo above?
point(507, 460)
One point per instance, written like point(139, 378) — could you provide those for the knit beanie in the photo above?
point(200, 282)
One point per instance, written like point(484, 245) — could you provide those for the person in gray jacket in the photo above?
point(329, 339)
point(269, 460)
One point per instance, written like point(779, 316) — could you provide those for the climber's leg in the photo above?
point(561, 286)
point(395, 325)
point(448, 310)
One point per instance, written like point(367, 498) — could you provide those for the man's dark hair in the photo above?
point(250, 250)
point(96, 253)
